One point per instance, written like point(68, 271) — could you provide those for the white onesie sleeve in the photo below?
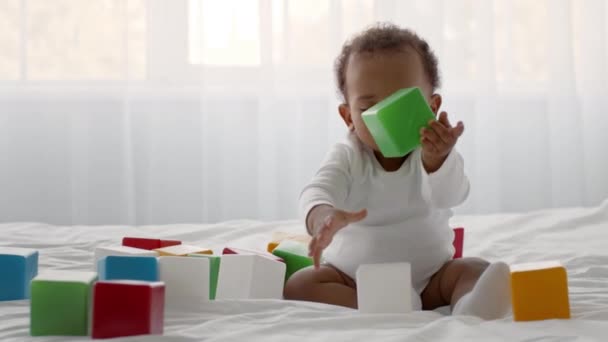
point(448, 186)
point(330, 184)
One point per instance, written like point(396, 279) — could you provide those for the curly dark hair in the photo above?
point(386, 37)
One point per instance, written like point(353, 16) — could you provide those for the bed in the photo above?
point(578, 237)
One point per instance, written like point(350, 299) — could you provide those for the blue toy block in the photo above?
point(144, 268)
point(18, 266)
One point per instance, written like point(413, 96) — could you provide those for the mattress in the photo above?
point(578, 237)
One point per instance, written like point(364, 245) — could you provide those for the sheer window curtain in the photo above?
point(152, 112)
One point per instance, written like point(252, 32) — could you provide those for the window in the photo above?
point(158, 40)
point(224, 32)
point(45, 40)
point(10, 22)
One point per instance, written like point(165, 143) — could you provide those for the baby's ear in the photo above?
point(344, 111)
point(435, 103)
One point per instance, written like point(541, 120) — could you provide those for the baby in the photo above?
point(364, 208)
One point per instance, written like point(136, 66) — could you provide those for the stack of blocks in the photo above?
point(134, 285)
point(395, 122)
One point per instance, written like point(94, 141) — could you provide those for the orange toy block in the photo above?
point(278, 237)
point(182, 250)
point(539, 291)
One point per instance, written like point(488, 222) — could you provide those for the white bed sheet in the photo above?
point(578, 237)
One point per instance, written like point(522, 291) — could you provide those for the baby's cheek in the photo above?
point(365, 136)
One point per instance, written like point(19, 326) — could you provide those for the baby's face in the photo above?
point(372, 77)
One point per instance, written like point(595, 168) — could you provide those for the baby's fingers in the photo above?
point(428, 146)
point(442, 131)
point(312, 245)
point(314, 251)
point(316, 258)
point(458, 130)
point(432, 136)
point(443, 118)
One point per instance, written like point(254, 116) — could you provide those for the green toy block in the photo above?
point(60, 303)
point(395, 122)
point(295, 255)
point(214, 270)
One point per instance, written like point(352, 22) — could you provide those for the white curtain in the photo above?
point(157, 111)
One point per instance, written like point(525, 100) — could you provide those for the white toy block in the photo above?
point(250, 277)
point(185, 278)
point(385, 288)
point(102, 252)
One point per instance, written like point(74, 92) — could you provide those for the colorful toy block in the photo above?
point(384, 288)
point(128, 268)
point(250, 277)
point(128, 308)
point(539, 291)
point(458, 242)
point(295, 255)
point(232, 250)
point(60, 303)
point(182, 250)
point(102, 252)
point(278, 237)
point(148, 244)
point(185, 278)
point(214, 270)
point(18, 266)
point(395, 122)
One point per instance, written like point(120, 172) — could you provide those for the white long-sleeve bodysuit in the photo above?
point(407, 210)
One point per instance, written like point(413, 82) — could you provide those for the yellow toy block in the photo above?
point(278, 237)
point(182, 250)
point(539, 291)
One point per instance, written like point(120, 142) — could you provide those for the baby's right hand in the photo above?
point(325, 222)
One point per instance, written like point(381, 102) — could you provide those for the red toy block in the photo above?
point(149, 244)
point(231, 250)
point(128, 308)
point(141, 243)
point(458, 242)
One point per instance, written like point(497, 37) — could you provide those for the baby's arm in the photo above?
point(330, 184)
point(321, 198)
point(446, 184)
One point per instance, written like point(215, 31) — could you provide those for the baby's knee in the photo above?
point(298, 284)
point(470, 266)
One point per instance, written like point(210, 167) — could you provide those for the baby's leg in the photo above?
point(325, 285)
point(472, 287)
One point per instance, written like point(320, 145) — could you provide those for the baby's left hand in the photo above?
point(438, 141)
